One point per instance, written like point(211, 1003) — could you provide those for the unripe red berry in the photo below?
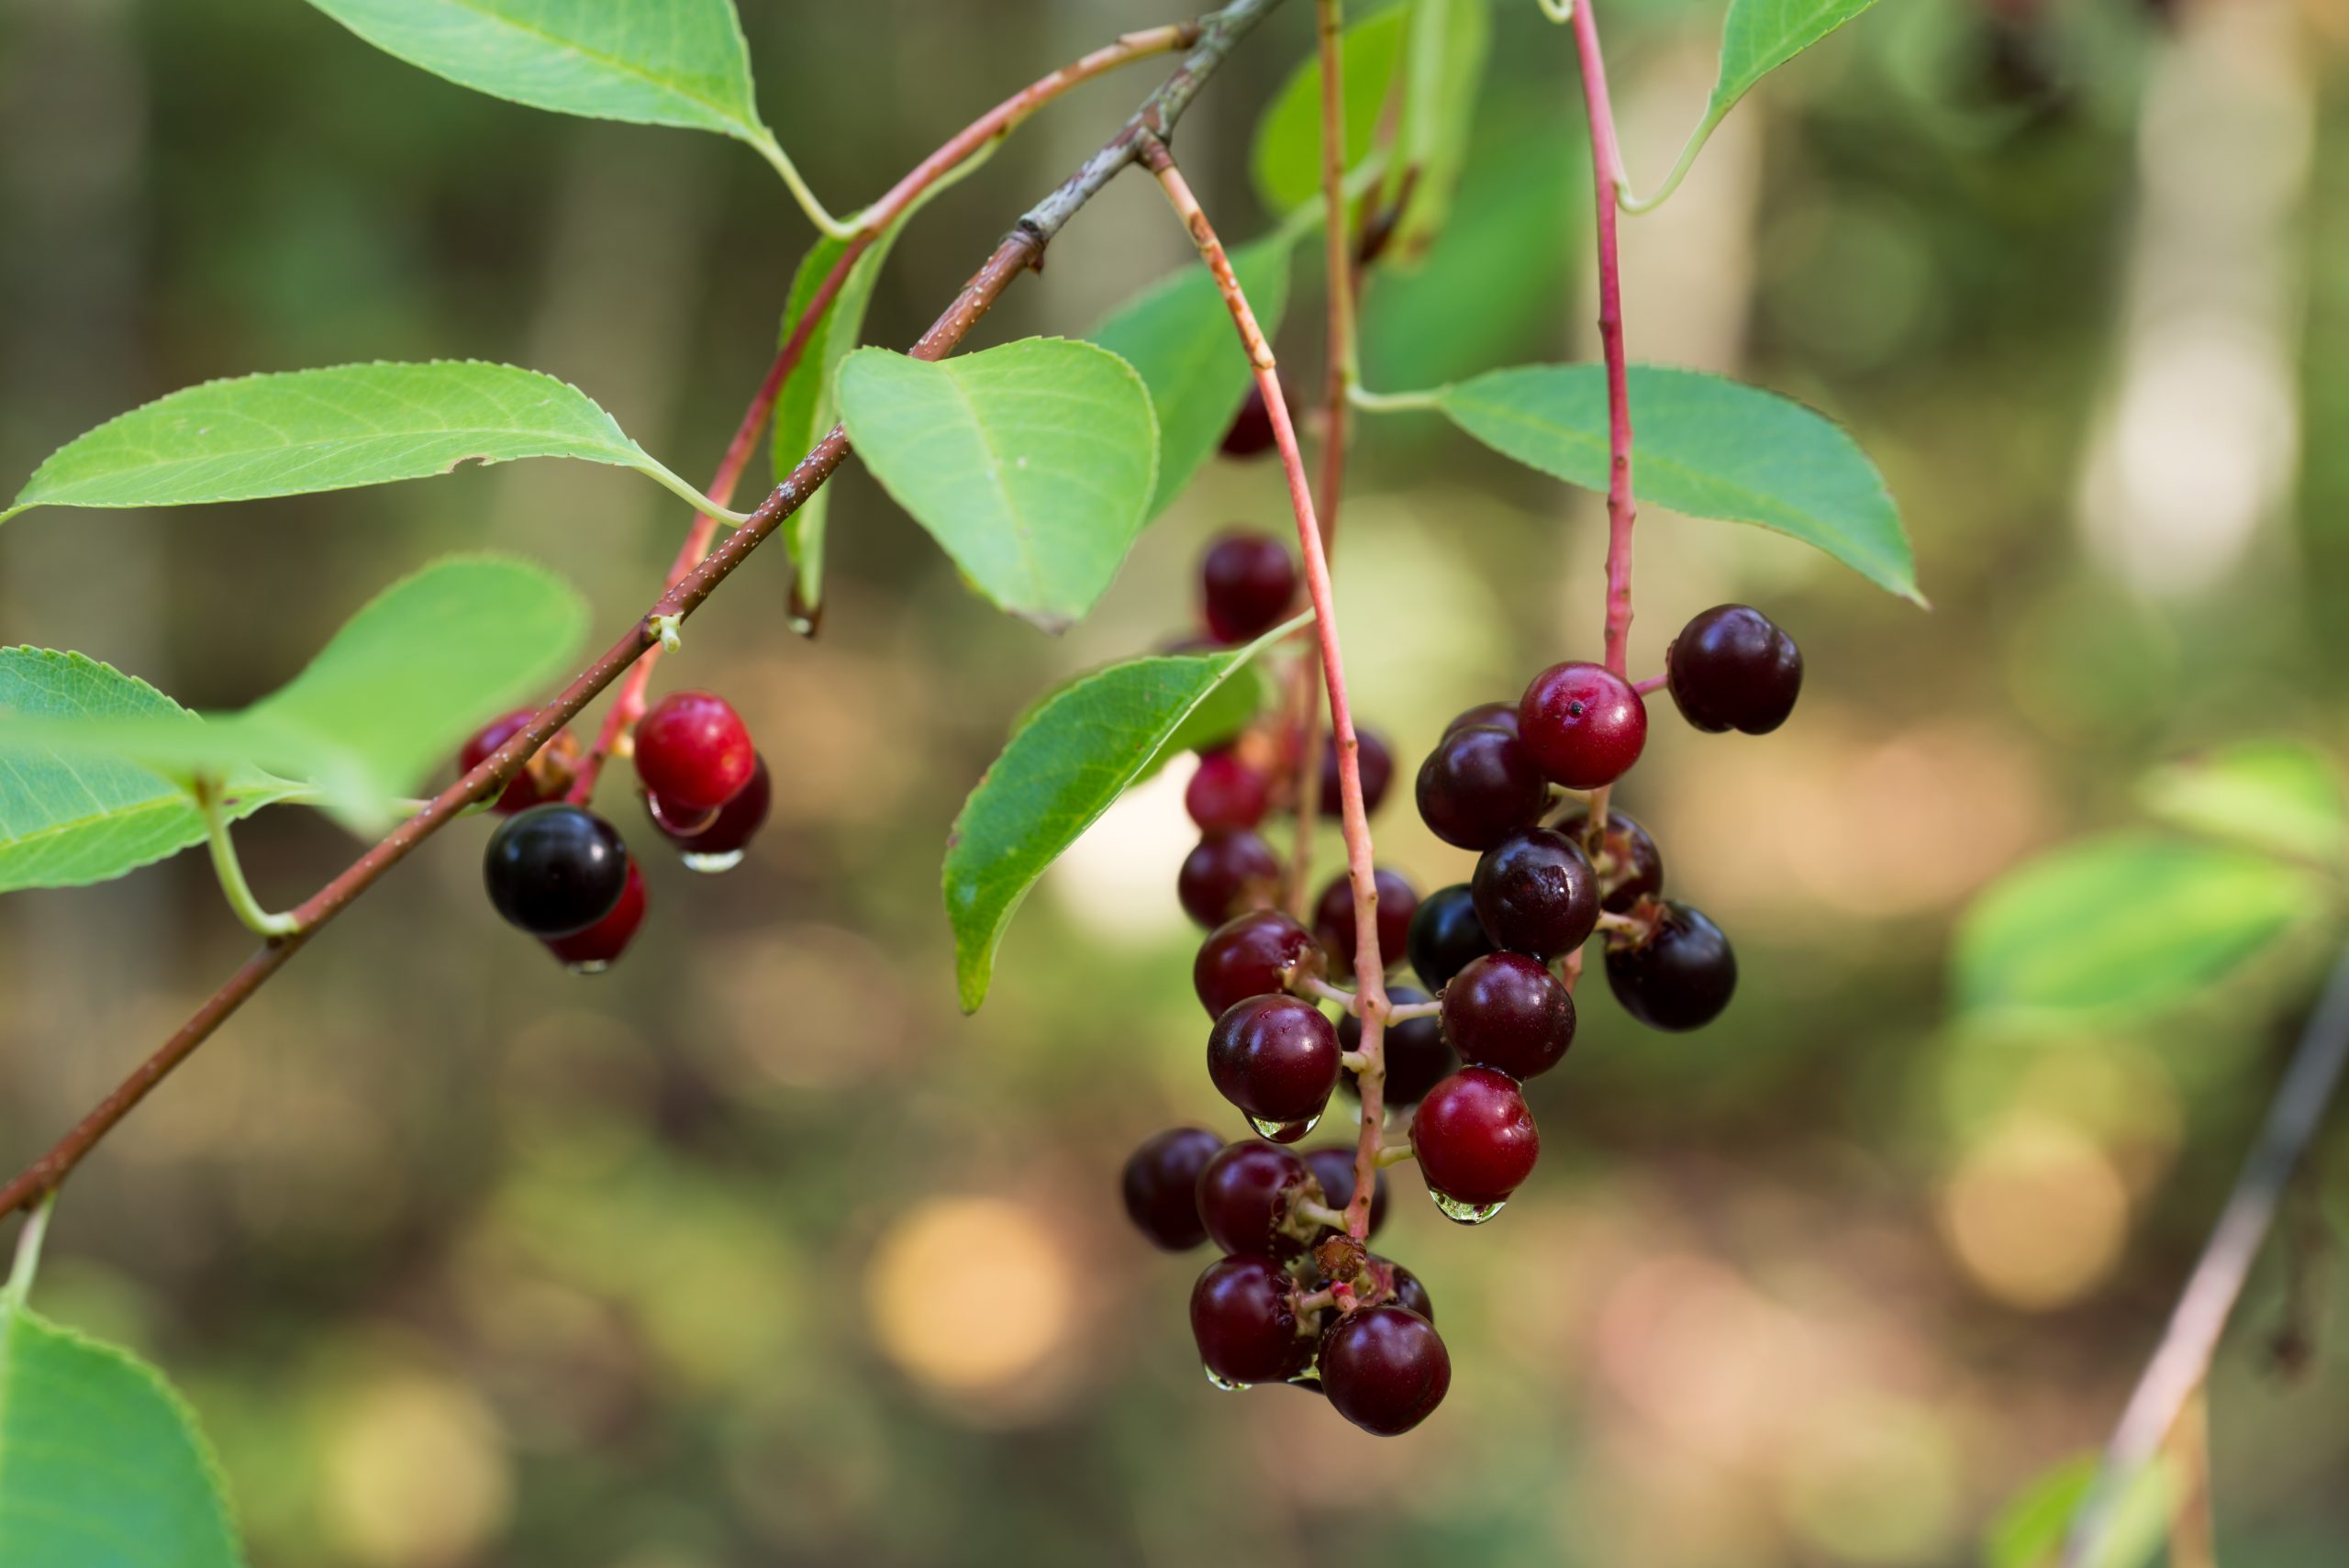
point(694, 753)
point(1474, 1138)
point(1584, 724)
point(1226, 793)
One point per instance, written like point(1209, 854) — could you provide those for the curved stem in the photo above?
point(1687, 161)
point(1371, 402)
point(801, 192)
point(227, 868)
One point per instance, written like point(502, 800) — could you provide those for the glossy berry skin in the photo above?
point(1333, 918)
point(1445, 935)
point(1251, 428)
point(728, 830)
point(1507, 1011)
point(1484, 716)
point(1629, 866)
point(1276, 1058)
point(1161, 1186)
point(1226, 874)
point(1385, 1369)
point(597, 947)
point(1243, 1318)
point(1226, 793)
point(1475, 1137)
point(1249, 955)
point(555, 869)
point(1535, 893)
point(694, 753)
point(1478, 786)
point(1376, 763)
point(1243, 1194)
point(1417, 1056)
point(1680, 977)
point(1733, 668)
point(1334, 1168)
point(1247, 583)
point(524, 789)
point(1584, 724)
point(1410, 1294)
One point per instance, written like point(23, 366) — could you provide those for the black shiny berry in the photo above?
point(1162, 1185)
point(1410, 1294)
point(1677, 976)
point(1624, 856)
point(1733, 668)
point(555, 869)
point(1491, 715)
point(1417, 1056)
point(1536, 892)
point(1479, 785)
point(1445, 935)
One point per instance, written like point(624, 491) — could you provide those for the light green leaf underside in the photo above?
point(388, 700)
point(1177, 334)
point(1081, 750)
point(1033, 464)
point(1286, 157)
point(1759, 36)
point(67, 817)
point(1702, 445)
point(2123, 924)
point(101, 1464)
point(2283, 796)
point(305, 431)
point(674, 62)
point(1443, 67)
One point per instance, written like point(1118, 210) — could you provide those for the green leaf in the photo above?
point(1085, 746)
point(1286, 162)
point(68, 819)
point(101, 1464)
point(2030, 1531)
point(305, 431)
point(1444, 68)
point(1177, 334)
point(1220, 715)
point(2280, 796)
point(1032, 463)
point(1701, 445)
point(1762, 35)
point(388, 699)
point(2126, 924)
point(674, 62)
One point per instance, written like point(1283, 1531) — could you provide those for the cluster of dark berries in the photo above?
point(561, 873)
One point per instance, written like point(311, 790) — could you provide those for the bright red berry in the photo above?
point(1678, 975)
point(1475, 1138)
point(1276, 1058)
point(536, 782)
point(1252, 954)
point(1385, 1369)
point(1245, 1194)
point(1227, 874)
point(1479, 785)
point(1249, 583)
point(1507, 1010)
point(1243, 1318)
point(1733, 668)
point(1226, 793)
point(593, 951)
point(1333, 918)
point(715, 841)
point(1535, 893)
point(1584, 724)
point(1417, 1056)
point(694, 753)
point(1375, 763)
point(1160, 1185)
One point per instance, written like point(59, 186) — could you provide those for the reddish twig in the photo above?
point(1021, 249)
point(1370, 968)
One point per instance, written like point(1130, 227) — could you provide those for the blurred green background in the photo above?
point(755, 1252)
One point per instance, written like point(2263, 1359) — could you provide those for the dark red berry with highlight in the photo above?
point(1475, 1137)
point(694, 753)
point(1479, 785)
point(1624, 856)
point(536, 782)
point(1243, 1318)
point(1376, 763)
point(1507, 1011)
point(1733, 668)
point(1445, 935)
point(1248, 582)
point(1410, 1294)
point(1251, 434)
point(1677, 976)
point(1535, 893)
point(1252, 954)
point(1276, 1058)
point(1162, 1185)
point(555, 870)
point(1584, 724)
point(725, 832)
point(1333, 920)
point(1334, 1168)
point(1243, 1195)
point(1226, 793)
point(1385, 1369)
point(1228, 873)
point(595, 949)
point(1487, 716)
point(1417, 1056)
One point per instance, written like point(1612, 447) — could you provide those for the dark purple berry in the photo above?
point(1445, 935)
point(1507, 1010)
point(1226, 793)
point(1475, 1137)
point(1410, 1294)
point(1677, 976)
point(727, 832)
point(1251, 428)
point(1536, 892)
point(1244, 1317)
point(1625, 858)
point(1243, 1196)
point(1333, 918)
point(1484, 715)
point(1252, 954)
point(1479, 785)
point(1162, 1185)
point(555, 870)
point(1385, 1369)
point(1334, 1167)
point(1733, 668)
point(1378, 766)
point(1276, 1058)
point(1228, 873)
point(1584, 724)
point(1247, 583)
point(693, 754)
point(1417, 1056)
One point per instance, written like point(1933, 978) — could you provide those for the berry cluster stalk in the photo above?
point(1370, 966)
point(1021, 249)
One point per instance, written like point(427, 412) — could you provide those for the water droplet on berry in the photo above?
point(1285, 1131)
point(1216, 1379)
point(592, 966)
point(713, 864)
point(1463, 1213)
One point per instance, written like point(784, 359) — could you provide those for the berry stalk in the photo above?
point(1370, 967)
